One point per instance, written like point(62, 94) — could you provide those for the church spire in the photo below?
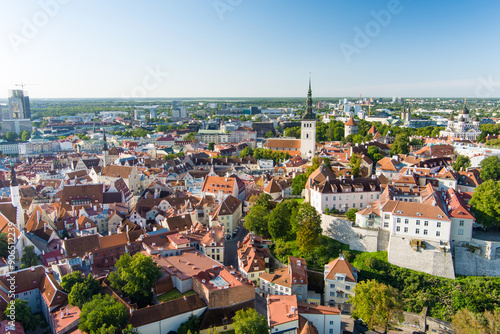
point(308, 115)
point(105, 143)
point(13, 179)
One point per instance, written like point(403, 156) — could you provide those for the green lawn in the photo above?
point(174, 294)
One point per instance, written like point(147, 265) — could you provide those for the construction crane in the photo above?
point(22, 84)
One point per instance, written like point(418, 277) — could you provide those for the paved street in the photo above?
point(230, 256)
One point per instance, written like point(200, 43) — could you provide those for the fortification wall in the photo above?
point(432, 260)
point(481, 258)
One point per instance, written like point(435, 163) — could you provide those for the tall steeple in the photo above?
point(309, 104)
point(308, 129)
point(105, 150)
point(105, 143)
point(13, 179)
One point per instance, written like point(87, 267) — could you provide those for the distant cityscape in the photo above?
point(275, 212)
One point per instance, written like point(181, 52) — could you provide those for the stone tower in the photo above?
point(308, 129)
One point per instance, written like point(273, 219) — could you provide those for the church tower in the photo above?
point(15, 197)
point(105, 150)
point(308, 129)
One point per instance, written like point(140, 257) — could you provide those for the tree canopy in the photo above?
point(22, 313)
point(467, 322)
point(377, 304)
point(190, 326)
point(250, 322)
point(462, 162)
point(256, 220)
point(4, 245)
point(485, 203)
point(279, 224)
point(83, 292)
point(490, 168)
point(401, 144)
point(29, 258)
point(135, 277)
point(103, 312)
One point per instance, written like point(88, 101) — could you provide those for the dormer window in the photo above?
point(419, 214)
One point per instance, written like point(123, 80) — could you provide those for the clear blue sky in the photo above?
point(258, 48)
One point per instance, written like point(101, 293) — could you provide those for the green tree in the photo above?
point(377, 304)
point(71, 279)
point(162, 128)
point(374, 154)
point(265, 200)
point(270, 134)
point(190, 136)
point(355, 164)
point(461, 162)
point(11, 136)
point(485, 203)
point(211, 146)
point(102, 311)
point(279, 221)
point(490, 168)
point(308, 236)
point(306, 211)
point(130, 330)
point(83, 292)
point(30, 258)
point(299, 183)
point(467, 322)
point(256, 220)
point(25, 135)
point(351, 214)
point(247, 151)
point(192, 325)
point(19, 310)
point(401, 144)
point(293, 132)
point(135, 277)
point(250, 322)
point(4, 245)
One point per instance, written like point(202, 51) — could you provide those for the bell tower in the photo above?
point(308, 129)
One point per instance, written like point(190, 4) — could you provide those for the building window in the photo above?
point(334, 198)
point(348, 287)
point(326, 198)
point(438, 233)
point(406, 229)
point(460, 231)
point(332, 293)
point(398, 228)
point(461, 223)
point(361, 196)
point(331, 322)
point(407, 221)
point(438, 224)
point(332, 285)
point(353, 205)
point(386, 224)
point(418, 222)
point(417, 231)
point(398, 220)
point(425, 232)
point(426, 223)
